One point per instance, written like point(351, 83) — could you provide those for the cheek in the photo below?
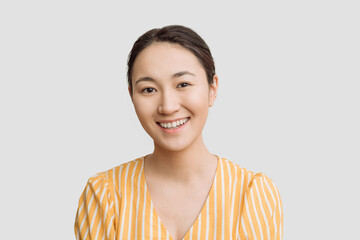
point(199, 102)
point(143, 109)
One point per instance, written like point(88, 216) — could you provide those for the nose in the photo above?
point(169, 103)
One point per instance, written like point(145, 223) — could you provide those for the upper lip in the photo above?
point(171, 120)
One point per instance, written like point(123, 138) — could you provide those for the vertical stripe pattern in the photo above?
point(116, 205)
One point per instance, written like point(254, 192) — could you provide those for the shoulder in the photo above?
point(247, 178)
point(259, 201)
point(118, 175)
point(114, 180)
point(235, 171)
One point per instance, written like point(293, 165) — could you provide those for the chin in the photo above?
point(172, 146)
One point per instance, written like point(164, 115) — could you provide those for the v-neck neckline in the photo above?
point(203, 209)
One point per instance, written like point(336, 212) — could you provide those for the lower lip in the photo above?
point(174, 130)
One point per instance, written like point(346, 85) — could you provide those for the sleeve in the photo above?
point(95, 214)
point(261, 215)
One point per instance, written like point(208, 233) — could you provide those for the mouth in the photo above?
point(173, 124)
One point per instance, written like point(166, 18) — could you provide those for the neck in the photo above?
point(184, 166)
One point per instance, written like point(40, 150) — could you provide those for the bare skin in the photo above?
point(179, 199)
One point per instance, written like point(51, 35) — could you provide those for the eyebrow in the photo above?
point(175, 75)
point(179, 74)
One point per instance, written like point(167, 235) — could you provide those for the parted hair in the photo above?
point(175, 34)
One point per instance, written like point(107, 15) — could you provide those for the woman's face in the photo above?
point(171, 95)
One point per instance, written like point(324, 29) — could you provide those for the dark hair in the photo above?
point(176, 34)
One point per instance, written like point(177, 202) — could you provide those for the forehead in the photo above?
point(166, 58)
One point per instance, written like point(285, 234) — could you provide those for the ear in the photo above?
point(130, 93)
point(213, 91)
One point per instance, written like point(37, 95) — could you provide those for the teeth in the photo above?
point(174, 124)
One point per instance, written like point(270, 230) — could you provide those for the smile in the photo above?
point(173, 124)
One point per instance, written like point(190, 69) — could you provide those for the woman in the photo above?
point(181, 190)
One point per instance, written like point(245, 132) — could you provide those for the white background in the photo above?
point(288, 104)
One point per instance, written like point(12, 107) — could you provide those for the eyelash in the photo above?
point(181, 84)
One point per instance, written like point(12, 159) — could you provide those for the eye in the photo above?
point(148, 90)
point(184, 84)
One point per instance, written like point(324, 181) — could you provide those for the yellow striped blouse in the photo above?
point(116, 204)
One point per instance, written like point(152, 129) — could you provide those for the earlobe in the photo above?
point(213, 91)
